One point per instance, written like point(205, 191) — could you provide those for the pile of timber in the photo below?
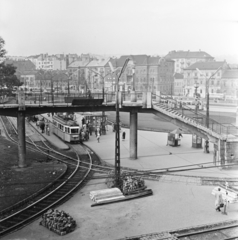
point(114, 195)
point(58, 222)
point(106, 195)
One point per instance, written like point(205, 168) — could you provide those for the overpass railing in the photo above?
point(199, 117)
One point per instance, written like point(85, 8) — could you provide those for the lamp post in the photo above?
point(196, 97)
point(207, 93)
point(117, 135)
point(102, 77)
point(133, 92)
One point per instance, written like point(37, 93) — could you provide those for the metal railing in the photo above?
point(199, 117)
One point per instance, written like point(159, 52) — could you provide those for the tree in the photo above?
point(2, 50)
point(7, 71)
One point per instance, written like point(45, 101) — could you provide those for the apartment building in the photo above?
point(178, 84)
point(229, 83)
point(25, 71)
point(196, 75)
point(47, 62)
point(149, 73)
point(184, 59)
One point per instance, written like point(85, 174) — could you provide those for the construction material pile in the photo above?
point(128, 183)
point(106, 195)
point(132, 184)
point(58, 222)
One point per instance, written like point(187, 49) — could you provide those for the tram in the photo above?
point(66, 128)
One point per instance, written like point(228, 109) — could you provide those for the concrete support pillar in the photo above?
point(221, 152)
point(133, 134)
point(133, 96)
point(157, 96)
point(21, 139)
point(147, 99)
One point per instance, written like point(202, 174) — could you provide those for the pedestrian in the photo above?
point(42, 126)
point(98, 137)
point(123, 135)
point(218, 200)
point(180, 135)
point(225, 202)
point(48, 129)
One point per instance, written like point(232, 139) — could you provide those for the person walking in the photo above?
point(225, 202)
point(218, 200)
point(98, 137)
point(123, 135)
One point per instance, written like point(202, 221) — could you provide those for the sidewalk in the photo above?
point(35, 135)
point(154, 154)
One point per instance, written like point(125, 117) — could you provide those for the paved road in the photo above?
point(147, 120)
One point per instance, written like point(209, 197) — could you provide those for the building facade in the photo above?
point(147, 73)
point(47, 62)
point(196, 75)
point(178, 84)
point(184, 59)
point(229, 84)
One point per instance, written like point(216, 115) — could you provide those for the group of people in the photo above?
point(221, 201)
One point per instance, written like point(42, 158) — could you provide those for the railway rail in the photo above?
point(220, 231)
point(74, 177)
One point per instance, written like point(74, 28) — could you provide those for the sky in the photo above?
point(119, 27)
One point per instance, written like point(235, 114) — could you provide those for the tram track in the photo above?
point(220, 231)
point(59, 191)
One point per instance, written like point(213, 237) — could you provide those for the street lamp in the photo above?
point(196, 85)
point(102, 77)
point(207, 92)
point(117, 135)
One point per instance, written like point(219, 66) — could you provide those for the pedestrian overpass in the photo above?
point(224, 137)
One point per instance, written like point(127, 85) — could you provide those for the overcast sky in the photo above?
point(152, 27)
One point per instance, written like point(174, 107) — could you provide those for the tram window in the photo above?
point(74, 130)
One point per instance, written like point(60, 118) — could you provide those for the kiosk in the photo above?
point(174, 138)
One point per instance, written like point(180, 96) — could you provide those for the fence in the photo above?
point(222, 129)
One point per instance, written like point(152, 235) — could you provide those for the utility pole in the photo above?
point(117, 135)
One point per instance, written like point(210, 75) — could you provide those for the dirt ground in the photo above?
point(18, 183)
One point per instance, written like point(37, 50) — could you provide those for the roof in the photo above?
point(188, 54)
point(230, 73)
point(137, 59)
point(154, 60)
point(141, 60)
point(77, 64)
point(205, 65)
point(22, 65)
point(98, 63)
point(178, 76)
